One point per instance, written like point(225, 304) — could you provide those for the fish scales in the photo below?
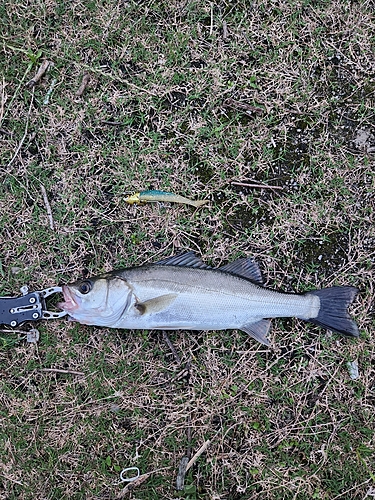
point(212, 292)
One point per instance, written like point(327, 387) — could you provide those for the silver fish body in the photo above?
point(183, 293)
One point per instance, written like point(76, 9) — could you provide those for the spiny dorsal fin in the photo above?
point(246, 268)
point(156, 304)
point(188, 259)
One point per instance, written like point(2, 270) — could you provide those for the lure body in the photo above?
point(156, 195)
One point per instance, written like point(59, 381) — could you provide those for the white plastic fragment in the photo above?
point(49, 92)
point(32, 336)
point(131, 478)
point(353, 369)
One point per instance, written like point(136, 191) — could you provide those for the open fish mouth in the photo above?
point(69, 303)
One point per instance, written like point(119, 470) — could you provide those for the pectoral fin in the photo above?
point(156, 304)
point(258, 330)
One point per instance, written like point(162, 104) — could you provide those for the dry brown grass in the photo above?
point(283, 423)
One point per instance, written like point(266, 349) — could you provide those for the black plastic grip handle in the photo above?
point(16, 310)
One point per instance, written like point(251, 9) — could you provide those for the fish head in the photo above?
point(99, 301)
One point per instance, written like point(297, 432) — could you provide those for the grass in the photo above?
point(285, 98)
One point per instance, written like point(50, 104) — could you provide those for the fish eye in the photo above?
point(85, 287)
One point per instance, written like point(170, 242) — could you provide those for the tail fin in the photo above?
point(199, 203)
point(333, 313)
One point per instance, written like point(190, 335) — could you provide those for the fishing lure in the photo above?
point(156, 195)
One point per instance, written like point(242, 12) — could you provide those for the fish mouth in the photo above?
point(69, 304)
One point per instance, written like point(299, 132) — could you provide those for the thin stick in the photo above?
point(18, 86)
point(201, 450)
point(188, 437)
point(133, 484)
point(2, 101)
point(129, 487)
point(243, 106)
point(115, 78)
point(180, 480)
point(48, 207)
point(84, 82)
point(212, 19)
point(248, 41)
point(225, 30)
point(11, 479)
point(14, 331)
point(167, 340)
point(24, 135)
point(115, 124)
point(57, 370)
point(260, 186)
point(42, 69)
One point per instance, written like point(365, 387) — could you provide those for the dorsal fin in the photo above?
point(188, 259)
point(246, 268)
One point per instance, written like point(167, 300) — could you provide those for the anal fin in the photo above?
point(258, 330)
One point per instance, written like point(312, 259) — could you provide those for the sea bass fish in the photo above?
point(183, 293)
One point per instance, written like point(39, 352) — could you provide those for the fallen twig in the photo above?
point(26, 129)
point(246, 38)
point(116, 78)
point(225, 30)
point(21, 83)
point(259, 186)
point(129, 487)
point(57, 370)
point(180, 480)
point(48, 207)
point(133, 484)
point(2, 101)
point(243, 106)
point(113, 123)
point(84, 82)
point(182, 469)
point(167, 340)
point(13, 331)
point(212, 19)
point(201, 450)
point(42, 69)
point(11, 479)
